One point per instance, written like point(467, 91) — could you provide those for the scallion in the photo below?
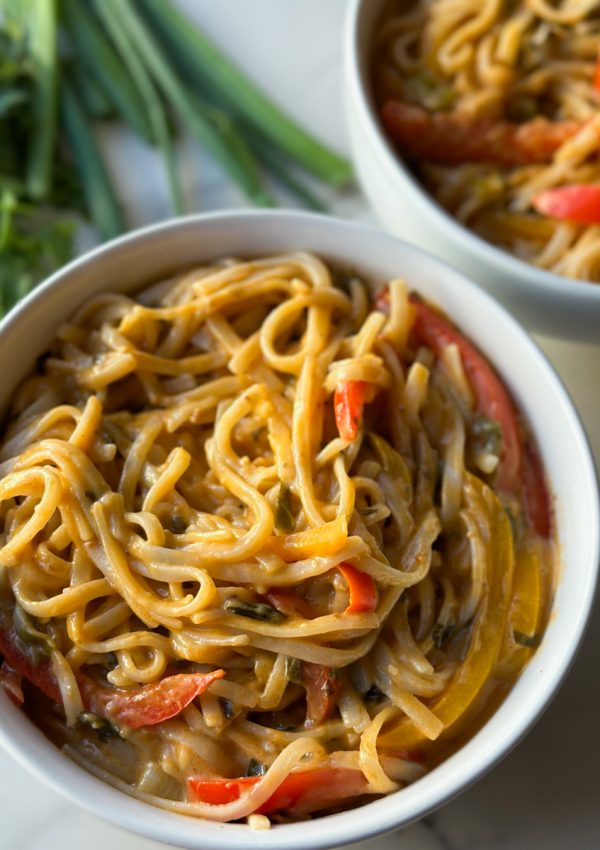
point(284, 519)
point(95, 50)
point(213, 129)
point(205, 61)
point(42, 51)
point(100, 199)
point(152, 101)
point(253, 610)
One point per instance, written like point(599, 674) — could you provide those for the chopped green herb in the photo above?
point(516, 519)
point(282, 727)
point(103, 727)
point(178, 524)
point(486, 434)
point(342, 278)
point(429, 90)
point(523, 108)
point(38, 645)
point(227, 708)
point(40, 362)
point(532, 641)
point(255, 768)
point(374, 694)
point(442, 633)
point(489, 187)
point(111, 661)
point(293, 670)
point(284, 520)
point(253, 610)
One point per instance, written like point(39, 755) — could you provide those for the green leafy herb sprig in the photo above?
point(66, 67)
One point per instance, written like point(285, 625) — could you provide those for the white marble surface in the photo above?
point(545, 795)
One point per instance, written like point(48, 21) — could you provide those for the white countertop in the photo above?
point(545, 795)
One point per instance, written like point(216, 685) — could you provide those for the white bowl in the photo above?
point(159, 251)
point(545, 302)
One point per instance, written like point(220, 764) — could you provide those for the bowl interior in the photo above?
point(160, 251)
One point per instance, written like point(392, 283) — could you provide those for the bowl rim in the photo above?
point(358, 87)
point(28, 745)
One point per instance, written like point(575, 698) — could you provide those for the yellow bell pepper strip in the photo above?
point(326, 539)
point(525, 616)
point(299, 793)
point(487, 635)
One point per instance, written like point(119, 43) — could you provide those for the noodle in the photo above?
point(493, 104)
point(255, 557)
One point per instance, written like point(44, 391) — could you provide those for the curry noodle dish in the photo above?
point(496, 106)
point(270, 547)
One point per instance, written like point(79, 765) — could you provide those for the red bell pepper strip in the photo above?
point(148, 704)
point(535, 494)
point(597, 75)
point(578, 203)
point(382, 300)
point(40, 675)
point(414, 754)
point(299, 793)
point(491, 397)
point(519, 468)
point(322, 687)
point(135, 707)
point(290, 603)
point(12, 683)
point(143, 706)
point(362, 590)
point(348, 403)
point(452, 138)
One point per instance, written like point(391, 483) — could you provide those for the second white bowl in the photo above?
point(545, 302)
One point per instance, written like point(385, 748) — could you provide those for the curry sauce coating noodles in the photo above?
point(269, 546)
point(495, 105)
